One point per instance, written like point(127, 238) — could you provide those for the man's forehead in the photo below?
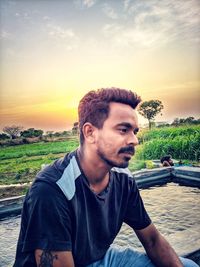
point(121, 109)
point(122, 113)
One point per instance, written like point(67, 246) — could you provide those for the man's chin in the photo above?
point(123, 164)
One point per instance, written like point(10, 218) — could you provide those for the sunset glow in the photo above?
point(53, 52)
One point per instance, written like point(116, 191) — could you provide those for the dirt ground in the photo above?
point(13, 190)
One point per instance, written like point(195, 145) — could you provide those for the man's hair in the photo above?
point(94, 106)
point(165, 158)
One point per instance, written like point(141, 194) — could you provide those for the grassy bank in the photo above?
point(37, 149)
point(19, 164)
point(182, 143)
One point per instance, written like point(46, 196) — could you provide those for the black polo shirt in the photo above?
point(62, 213)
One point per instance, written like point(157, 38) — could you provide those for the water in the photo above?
point(174, 210)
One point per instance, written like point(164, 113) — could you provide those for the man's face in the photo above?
point(117, 139)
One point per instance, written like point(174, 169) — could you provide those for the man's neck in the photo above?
point(95, 170)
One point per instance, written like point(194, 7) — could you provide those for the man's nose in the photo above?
point(133, 140)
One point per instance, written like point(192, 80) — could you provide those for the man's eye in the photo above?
point(123, 130)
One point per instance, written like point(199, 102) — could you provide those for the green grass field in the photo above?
point(37, 149)
point(182, 143)
point(19, 164)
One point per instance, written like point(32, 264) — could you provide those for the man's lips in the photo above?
point(128, 153)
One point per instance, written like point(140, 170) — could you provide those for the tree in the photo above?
point(31, 132)
point(66, 133)
point(49, 134)
point(38, 133)
point(13, 131)
point(75, 128)
point(149, 109)
point(4, 136)
point(188, 120)
point(176, 122)
point(57, 134)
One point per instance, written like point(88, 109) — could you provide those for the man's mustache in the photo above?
point(128, 149)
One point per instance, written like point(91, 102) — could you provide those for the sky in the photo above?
point(53, 52)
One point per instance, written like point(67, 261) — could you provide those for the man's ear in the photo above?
point(89, 132)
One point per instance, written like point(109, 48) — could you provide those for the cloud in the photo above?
point(64, 37)
point(88, 3)
point(127, 36)
point(23, 15)
point(174, 18)
point(59, 32)
point(85, 3)
point(126, 4)
point(111, 29)
point(155, 23)
point(5, 35)
point(109, 11)
point(46, 18)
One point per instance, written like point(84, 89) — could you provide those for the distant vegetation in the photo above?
point(12, 131)
point(13, 135)
point(180, 142)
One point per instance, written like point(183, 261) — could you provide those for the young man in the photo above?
point(76, 206)
point(167, 161)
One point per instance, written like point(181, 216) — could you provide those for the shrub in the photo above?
point(149, 164)
point(180, 143)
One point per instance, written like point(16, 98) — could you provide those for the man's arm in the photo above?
point(45, 258)
point(157, 247)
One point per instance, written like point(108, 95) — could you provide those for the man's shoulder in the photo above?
point(70, 174)
point(61, 174)
point(55, 170)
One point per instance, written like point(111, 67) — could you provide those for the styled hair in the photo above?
point(94, 106)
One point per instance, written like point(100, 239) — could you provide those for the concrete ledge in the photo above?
point(145, 178)
point(187, 176)
point(183, 175)
point(159, 176)
point(11, 206)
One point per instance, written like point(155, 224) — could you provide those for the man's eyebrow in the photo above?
point(128, 125)
point(125, 124)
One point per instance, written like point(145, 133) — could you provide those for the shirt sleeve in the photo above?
point(136, 215)
point(46, 219)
